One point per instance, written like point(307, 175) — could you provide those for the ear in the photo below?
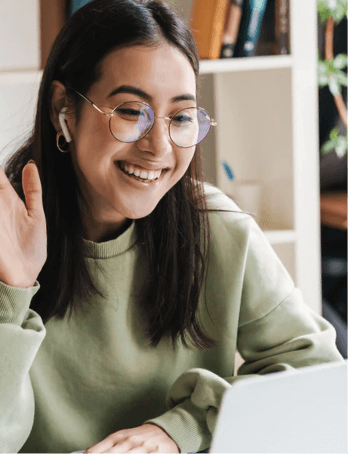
point(58, 102)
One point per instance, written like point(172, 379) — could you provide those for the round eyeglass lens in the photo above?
point(190, 126)
point(133, 120)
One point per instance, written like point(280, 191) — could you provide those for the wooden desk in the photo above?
point(334, 209)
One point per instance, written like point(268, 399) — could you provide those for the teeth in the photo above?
point(128, 168)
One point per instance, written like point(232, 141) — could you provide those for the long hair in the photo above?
point(175, 237)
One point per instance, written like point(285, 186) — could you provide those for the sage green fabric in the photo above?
point(69, 384)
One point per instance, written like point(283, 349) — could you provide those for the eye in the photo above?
point(182, 119)
point(128, 114)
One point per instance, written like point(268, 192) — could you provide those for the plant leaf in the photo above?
point(327, 147)
point(332, 8)
point(341, 61)
point(323, 10)
point(335, 88)
point(334, 133)
point(322, 77)
point(328, 65)
point(342, 78)
point(323, 81)
point(342, 146)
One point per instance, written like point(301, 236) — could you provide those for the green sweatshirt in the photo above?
point(68, 385)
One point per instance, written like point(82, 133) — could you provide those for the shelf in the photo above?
point(245, 64)
point(206, 67)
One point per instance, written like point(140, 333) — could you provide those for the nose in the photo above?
point(157, 141)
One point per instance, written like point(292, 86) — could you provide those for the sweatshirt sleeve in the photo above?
point(277, 331)
point(21, 334)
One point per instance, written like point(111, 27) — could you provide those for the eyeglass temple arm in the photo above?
point(94, 105)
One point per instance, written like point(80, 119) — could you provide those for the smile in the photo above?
point(139, 173)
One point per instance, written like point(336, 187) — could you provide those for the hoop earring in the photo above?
point(60, 134)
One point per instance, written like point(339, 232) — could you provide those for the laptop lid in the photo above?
point(298, 411)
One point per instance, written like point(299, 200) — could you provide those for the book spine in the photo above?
point(53, 16)
point(282, 27)
point(207, 26)
point(266, 40)
point(76, 4)
point(253, 15)
point(231, 28)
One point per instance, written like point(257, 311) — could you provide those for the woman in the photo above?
point(115, 253)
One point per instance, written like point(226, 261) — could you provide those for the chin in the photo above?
point(140, 213)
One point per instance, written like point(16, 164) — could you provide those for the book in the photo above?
point(231, 28)
point(282, 27)
point(76, 4)
point(267, 40)
point(207, 21)
point(53, 15)
point(252, 17)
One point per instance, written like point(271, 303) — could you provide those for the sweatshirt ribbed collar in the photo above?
point(112, 248)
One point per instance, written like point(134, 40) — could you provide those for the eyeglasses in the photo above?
point(131, 121)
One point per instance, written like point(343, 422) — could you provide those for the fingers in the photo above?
point(3, 178)
point(32, 189)
point(5, 185)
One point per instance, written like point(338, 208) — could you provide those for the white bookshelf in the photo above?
point(245, 64)
point(267, 114)
point(266, 108)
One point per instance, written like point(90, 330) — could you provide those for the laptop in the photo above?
point(298, 411)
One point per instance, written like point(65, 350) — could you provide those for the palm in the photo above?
point(23, 239)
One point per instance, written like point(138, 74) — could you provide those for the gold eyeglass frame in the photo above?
point(110, 115)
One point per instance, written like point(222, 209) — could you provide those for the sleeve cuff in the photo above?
point(15, 302)
point(186, 425)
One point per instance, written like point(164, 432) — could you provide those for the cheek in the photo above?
point(98, 133)
point(184, 158)
point(94, 140)
point(183, 161)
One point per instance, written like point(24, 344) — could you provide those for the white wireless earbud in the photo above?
point(62, 122)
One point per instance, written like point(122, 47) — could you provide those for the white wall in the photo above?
point(19, 71)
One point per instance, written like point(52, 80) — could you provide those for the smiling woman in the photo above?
point(95, 200)
point(122, 335)
point(115, 197)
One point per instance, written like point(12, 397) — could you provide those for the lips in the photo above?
point(139, 174)
point(149, 167)
point(144, 181)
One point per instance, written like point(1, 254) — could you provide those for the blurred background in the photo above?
point(333, 184)
point(273, 119)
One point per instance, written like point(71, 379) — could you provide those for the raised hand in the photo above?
point(23, 236)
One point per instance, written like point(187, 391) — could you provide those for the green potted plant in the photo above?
point(331, 13)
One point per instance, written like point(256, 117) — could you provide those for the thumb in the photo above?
point(32, 189)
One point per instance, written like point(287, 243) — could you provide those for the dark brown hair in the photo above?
point(175, 236)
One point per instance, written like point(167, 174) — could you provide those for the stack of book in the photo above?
point(240, 28)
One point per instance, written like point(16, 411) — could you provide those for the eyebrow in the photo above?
point(142, 94)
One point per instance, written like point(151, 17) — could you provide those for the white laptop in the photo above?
point(297, 411)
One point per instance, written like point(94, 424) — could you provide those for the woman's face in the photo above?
point(161, 73)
